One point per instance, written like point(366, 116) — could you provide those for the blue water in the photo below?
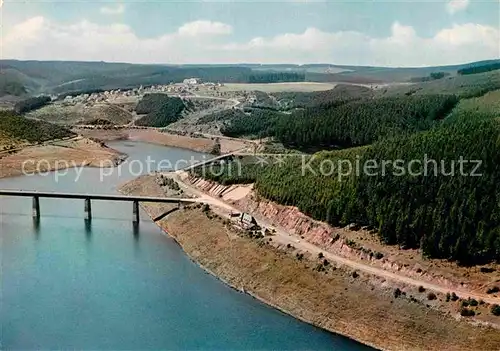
point(67, 283)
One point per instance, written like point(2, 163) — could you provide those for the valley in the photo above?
point(415, 255)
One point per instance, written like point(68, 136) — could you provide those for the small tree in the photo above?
point(397, 293)
point(465, 312)
point(493, 290)
point(495, 310)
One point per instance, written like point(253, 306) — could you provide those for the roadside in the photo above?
point(284, 237)
point(315, 289)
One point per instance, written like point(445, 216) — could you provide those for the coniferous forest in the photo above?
point(447, 202)
point(160, 110)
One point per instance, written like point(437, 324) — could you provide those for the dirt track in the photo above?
point(284, 237)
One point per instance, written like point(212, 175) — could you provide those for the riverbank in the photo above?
point(199, 144)
point(335, 298)
point(58, 155)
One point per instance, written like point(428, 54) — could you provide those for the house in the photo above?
point(247, 221)
point(192, 81)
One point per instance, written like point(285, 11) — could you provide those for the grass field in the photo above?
point(489, 104)
point(279, 87)
point(59, 113)
point(464, 86)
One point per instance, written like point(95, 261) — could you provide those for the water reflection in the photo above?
point(36, 226)
point(88, 228)
point(135, 230)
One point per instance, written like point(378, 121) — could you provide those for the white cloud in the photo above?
point(211, 42)
point(110, 10)
point(454, 6)
point(205, 28)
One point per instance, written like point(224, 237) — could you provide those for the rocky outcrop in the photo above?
point(334, 239)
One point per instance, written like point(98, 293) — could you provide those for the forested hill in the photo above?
point(438, 190)
point(16, 127)
point(344, 123)
point(339, 94)
point(11, 88)
point(160, 110)
point(57, 77)
point(446, 211)
point(362, 122)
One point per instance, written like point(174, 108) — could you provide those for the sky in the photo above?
point(351, 32)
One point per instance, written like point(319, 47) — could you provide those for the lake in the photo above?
point(67, 283)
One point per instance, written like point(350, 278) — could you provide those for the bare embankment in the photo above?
point(58, 155)
point(309, 287)
point(203, 143)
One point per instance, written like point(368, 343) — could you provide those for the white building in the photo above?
point(192, 81)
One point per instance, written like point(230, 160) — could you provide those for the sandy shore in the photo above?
point(58, 155)
point(335, 298)
point(185, 142)
point(201, 144)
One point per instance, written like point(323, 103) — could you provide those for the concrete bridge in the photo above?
point(207, 162)
point(36, 195)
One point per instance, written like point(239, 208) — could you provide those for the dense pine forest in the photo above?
point(341, 93)
point(160, 110)
point(31, 104)
point(360, 123)
point(11, 88)
point(344, 123)
point(437, 191)
point(256, 123)
point(479, 69)
point(275, 77)
point(20, 128)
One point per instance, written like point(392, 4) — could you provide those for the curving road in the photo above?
point(284, 237)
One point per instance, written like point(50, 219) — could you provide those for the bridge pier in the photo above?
point(88, 209)
point(135, 212)
point(36, 207)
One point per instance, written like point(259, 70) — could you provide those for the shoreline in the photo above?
point(261, 299)
point(330, 303)
point(204, 144)
point(266, 302)
point(58, 156)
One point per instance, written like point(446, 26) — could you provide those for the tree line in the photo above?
point(31, 104)
point(275, 77)
point(446, 202)
point(344, 123)
point(341, 93)
point(11, 88)
point(160, 109)
point(447, 211)
point(479, 68)
point(257, 123)
point(21, 128)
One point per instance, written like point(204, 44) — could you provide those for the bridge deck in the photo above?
point(94, 196)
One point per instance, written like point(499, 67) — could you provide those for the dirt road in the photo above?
point(283, 237)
